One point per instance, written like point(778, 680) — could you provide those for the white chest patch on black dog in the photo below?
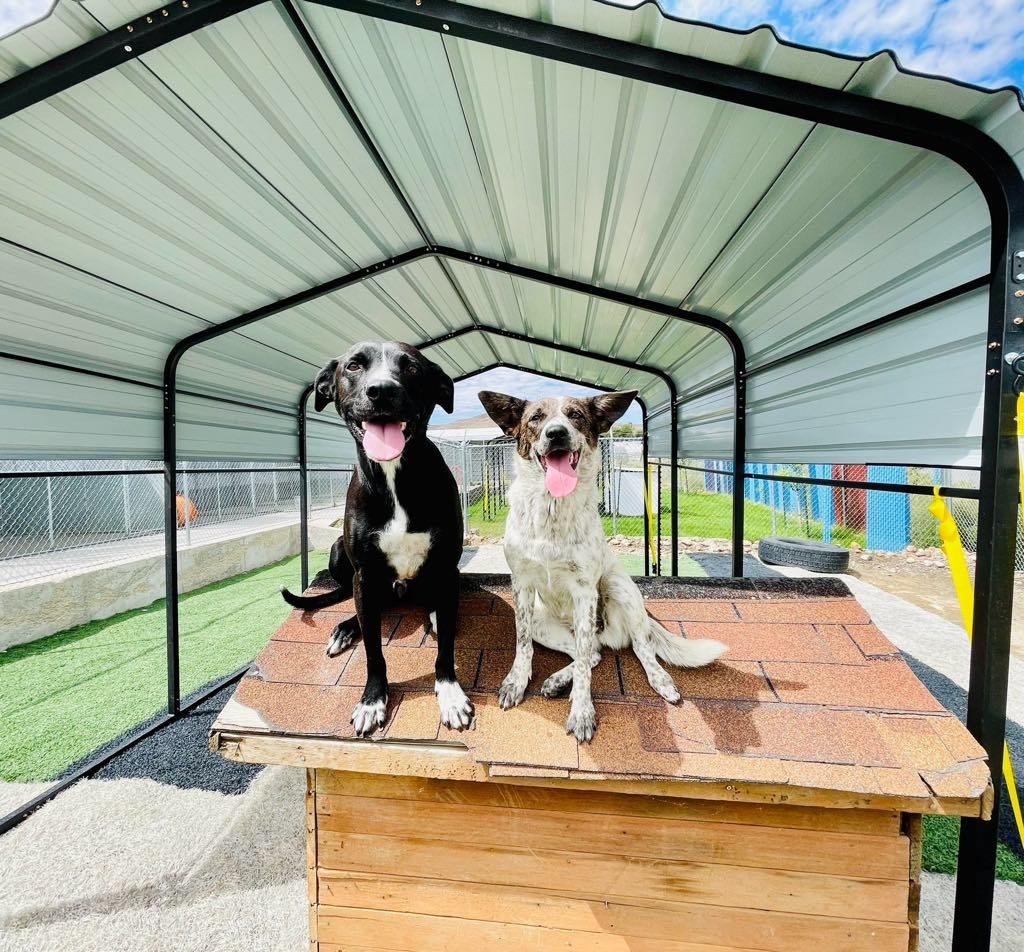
point(405, 551)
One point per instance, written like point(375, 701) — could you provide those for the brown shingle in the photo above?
point(821, 611)
point(871, 641)
point(300, 663)
point(757, 641)
point(692, 610)
point(725, 679)
point(882, 684)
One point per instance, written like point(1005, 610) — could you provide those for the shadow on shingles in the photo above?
point(954, 698)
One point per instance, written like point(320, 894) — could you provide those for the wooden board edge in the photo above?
point(741, 791)
point(312, 858)
point(912, 827)
point(456, 762)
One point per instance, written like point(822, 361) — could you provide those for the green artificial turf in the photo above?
point(941, 837)
point(65, 695)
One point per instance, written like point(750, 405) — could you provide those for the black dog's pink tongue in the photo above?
point(559, 476)
point(383, 441)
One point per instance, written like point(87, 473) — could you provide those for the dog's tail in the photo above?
point(684, 652)
point(313, 602)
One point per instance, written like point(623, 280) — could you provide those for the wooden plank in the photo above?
point(699, 923)
point(455, 762)
point(872, 822)
point(405, 932)
point(312, 878)
point(813, 851)
point(603, 877)
point(912, 827)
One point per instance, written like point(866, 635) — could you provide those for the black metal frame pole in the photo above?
point(993, 578)
point(303, 490)
point(170, 435)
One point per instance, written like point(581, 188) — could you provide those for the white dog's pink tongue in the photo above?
point(383, 441)
point(559, 476)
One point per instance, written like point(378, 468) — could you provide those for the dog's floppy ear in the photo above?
point(608, 407)
point(445, 387)
point(504, 410)
point(325, 387)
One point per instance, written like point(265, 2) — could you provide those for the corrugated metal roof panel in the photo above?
point(50, 413)
point(217, 174)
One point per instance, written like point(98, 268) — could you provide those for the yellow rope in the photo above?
point(649, 513)
point(952, 546)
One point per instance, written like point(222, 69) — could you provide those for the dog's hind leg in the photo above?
point(556, 636)
point(626, 622)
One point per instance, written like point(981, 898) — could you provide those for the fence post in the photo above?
point(49, 509)
point(187, 506)
point(465, 485)
point(124, 503)
point(252, 490)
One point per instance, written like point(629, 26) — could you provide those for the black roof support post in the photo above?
point(993, 578)
point(304, 490)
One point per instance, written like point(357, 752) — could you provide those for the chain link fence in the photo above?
point(793, 500)
point(63, 516)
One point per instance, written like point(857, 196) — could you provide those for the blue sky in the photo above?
point(980, 41)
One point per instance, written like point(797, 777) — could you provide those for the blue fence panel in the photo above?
point(888, 512)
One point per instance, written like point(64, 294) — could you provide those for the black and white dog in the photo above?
point(403, 528)
point(571, 592)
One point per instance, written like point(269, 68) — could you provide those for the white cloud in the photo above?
point(16, 13)
point(979, 41)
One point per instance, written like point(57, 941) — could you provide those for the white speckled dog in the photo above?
point(571, 592)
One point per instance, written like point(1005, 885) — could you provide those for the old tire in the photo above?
point(804, 554)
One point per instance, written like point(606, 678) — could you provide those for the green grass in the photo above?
point(941, 836)
point(701, 516)
point(65, 695)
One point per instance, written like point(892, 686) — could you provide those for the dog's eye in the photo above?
point(573, 414)
point(537, 417)
point(354, 367)
point(412, 370)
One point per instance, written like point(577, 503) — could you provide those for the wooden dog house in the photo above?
point(777, 807)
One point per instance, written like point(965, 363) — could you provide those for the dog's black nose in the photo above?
point(557, 433)
point(383, 390)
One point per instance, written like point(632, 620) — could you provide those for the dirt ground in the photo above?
point(930, 587)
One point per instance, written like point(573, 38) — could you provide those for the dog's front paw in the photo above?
point(512, 691)
point(343, 635)
point(369, 715)
point(456, 708)
point(582, 722)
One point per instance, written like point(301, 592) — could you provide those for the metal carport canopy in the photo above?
point(727, 211)
point(283, 146)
